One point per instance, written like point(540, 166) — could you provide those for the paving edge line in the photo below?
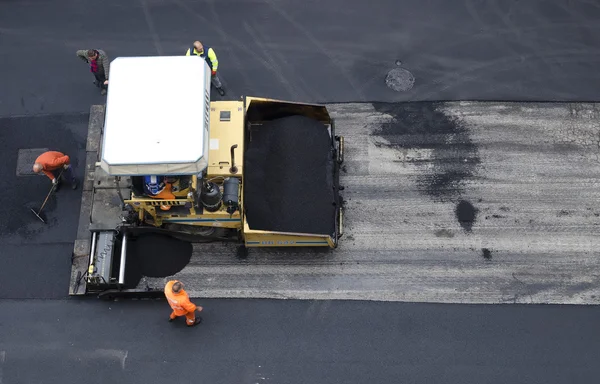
point(81, 248)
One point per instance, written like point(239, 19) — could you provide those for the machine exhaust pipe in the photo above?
point(233, 168)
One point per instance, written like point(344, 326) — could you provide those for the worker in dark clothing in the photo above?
point(180, 303)
point(99, 66)
point(51, 163)
point(209, 55)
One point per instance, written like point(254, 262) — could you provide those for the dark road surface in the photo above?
point(36, 256)
point(332, 51)
point(327, 51)
point(298, 342)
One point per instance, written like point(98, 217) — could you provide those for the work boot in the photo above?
point(221, 91)
point(198, 321)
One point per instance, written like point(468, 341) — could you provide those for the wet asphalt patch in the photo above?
point(454, 157)
point(466, 214)
point(155, 255)
point(453, 160)
point(486, 253)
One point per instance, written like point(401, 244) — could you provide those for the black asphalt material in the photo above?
point(454, 157)
point(36, 257)
point(160, 256)
point(154, 255)
point(26, 158)
point(324, 51)
point(36, 270)
point(289, 177)
point(486, 253)
point(466, 214)
point(297, 342)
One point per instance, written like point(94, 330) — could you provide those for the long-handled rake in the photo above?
point(38, 213)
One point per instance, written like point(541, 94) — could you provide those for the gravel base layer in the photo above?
point(289, 177)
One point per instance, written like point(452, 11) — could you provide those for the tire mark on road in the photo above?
point(225, 36)
point(379, 74)
point(524, 39)
point(311, 92)
point(236, 61)
point(151, 27)
point(319, 46)
point(275, 68)
point(574, 56)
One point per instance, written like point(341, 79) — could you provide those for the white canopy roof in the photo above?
point(157, 116)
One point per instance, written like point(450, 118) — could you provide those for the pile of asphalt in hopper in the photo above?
point(288, 177)
point(155, 255)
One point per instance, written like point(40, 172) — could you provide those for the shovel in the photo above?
point(37, 214)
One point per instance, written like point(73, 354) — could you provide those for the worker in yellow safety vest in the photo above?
point(209, 55)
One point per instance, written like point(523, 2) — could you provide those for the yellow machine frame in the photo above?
point(224, 133)
point(228, 120)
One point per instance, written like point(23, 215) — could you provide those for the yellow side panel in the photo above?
point(226, 130)
point(208, 219)
point(255, 238)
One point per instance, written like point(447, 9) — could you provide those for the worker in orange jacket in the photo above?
point(51, 163)
point(180, 303)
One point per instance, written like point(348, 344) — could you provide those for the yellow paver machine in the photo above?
point(163, 158)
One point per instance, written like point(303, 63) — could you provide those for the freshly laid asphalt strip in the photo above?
point(289, 178)
point(35, 257)
point(155, 256)
point(297, 342)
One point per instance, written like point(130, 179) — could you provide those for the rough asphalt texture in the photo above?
point(332, 51)
point(254, 341)
point(429, 187)
point(289, 177)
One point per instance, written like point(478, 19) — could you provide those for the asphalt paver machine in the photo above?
point(163, 158)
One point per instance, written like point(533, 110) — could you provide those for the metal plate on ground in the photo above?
point(400, 80)
point(106, 209)
point(25, 160)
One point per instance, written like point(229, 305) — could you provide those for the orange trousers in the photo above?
point(190, 317)
point(166, 194)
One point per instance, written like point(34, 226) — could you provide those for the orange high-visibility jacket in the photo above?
point(52, 160)
point(180, 302)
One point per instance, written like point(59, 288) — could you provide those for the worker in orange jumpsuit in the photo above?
point(180, 303)
point(51, 163)
point(156, 187)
